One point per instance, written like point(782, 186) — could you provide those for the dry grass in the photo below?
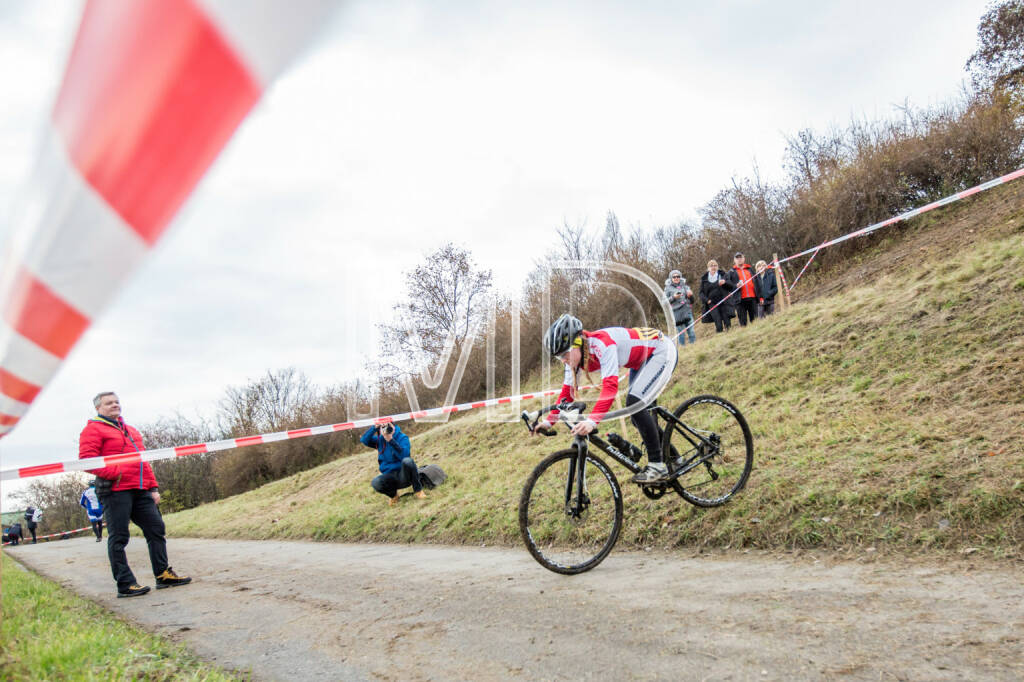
point(886, 408)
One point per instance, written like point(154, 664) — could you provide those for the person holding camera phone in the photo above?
point(397, 468)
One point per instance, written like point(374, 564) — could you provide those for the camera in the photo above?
point(386, 428)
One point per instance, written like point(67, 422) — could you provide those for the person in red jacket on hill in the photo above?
point(133, 496)
point(746, 293)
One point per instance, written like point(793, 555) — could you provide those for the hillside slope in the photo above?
point(887, 410)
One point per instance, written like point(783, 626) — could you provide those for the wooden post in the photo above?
point(784, 299)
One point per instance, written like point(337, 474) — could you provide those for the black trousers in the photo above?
point(720, 315)
point(393, 481)
point(32, 529)
point(97, 527)
point(138, 507)
point(746, 308)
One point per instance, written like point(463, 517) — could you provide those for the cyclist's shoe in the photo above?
point(135, 590)
point(171, 579)
point(655, 472)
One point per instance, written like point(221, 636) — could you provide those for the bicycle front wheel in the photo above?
point(714, 436)
point(564, 533)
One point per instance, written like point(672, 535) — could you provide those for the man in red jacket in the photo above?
point(133, 496)
point(746, 294)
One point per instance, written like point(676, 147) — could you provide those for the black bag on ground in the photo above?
point(431, 476)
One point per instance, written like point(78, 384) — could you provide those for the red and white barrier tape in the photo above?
point(52, 535)
point(230, 444)
point(804, 268)
point(151, 93)
point(233, 443)
point(1009, 177)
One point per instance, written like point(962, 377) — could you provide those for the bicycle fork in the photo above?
point(576, 482)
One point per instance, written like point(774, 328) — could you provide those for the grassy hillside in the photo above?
point(887, 408)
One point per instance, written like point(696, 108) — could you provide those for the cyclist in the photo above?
point(646, 352)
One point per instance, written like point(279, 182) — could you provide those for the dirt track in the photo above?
point(302, 611)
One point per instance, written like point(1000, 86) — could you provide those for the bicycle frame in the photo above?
point(704, 451)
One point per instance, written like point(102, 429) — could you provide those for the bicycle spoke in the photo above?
point(720, 455)
point(570, 536)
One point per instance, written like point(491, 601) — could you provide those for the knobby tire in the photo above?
point(557, 541)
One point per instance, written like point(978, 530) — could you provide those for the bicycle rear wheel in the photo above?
point(563, 535)
point(725, 449)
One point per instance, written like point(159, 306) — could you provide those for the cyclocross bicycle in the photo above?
point(570, 511)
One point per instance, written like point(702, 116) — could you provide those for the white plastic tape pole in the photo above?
point(152, 92)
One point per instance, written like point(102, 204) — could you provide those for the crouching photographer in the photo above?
point(397, 468)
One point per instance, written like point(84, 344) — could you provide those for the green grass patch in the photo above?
point(50, 634)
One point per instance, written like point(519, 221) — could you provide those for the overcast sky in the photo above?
point(406, 125)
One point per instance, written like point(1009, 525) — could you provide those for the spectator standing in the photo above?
point(745, 296)
point(680, 296)
point(32, 518)
point(93, 509)
point(134, 496)
point(397, 468)
point(767, 288)
point(715, 289)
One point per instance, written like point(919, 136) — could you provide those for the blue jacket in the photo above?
point(389, 454)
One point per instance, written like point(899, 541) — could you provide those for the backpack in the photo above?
point(432, 476)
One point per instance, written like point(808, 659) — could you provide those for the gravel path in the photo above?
point(324, 611)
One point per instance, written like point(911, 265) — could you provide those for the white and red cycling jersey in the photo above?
point(609, 350)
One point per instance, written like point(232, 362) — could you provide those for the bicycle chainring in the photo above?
point(654, 492)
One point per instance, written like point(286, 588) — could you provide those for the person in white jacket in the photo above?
point(33, 516)
point(94, 510)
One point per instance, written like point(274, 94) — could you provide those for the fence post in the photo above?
point(784, 299)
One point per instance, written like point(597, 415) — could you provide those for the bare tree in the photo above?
point(275, 401)
point(445, 297)
point(185, 482)
point(998, 63)
point(751, 214)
